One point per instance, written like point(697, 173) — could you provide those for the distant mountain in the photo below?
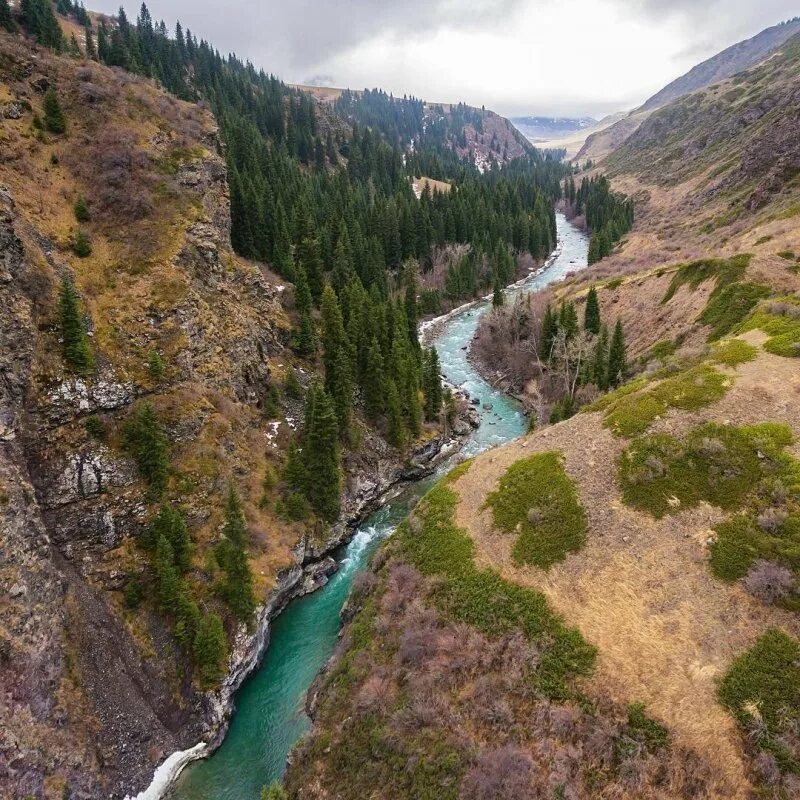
point(733, 59)
point(539, 128)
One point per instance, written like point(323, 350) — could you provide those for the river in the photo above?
point(270, 715)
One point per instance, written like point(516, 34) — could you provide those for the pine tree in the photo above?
point(497, 295)
point(549, 333)
point(40, 21)
point(599, 375)
point(6, 18)
point(343, 391)
point(146, 440)
point(397, 433)
point(210, 651)
point(305, 339)
point(166, 576)
point(77, 352)
point(91, 50)
point(53, 115)
point(236, 587)
point(432, 385)
point(333, 335)
point(591, 316)
point(568, 320)
point(617, 363)
point(81, 210)
point(170, 524)
point(294, 473)
point(373, 386)
point(321, 456)
point(187, 617)
point(82, 246)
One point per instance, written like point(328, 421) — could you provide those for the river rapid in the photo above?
point(270, 715)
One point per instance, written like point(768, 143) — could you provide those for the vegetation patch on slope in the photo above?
point(762, 690)
point(718, 464)
point(725, 271)
point(780, 318)
point(536, 499)
point(632, 413)
point(481, 598)
point(734, 352)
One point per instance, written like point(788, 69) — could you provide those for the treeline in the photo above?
point(608, 215)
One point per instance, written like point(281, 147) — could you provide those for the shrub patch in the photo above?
point(537, 499)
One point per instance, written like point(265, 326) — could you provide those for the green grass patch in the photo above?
point(780, 319)
point(733, 352)
point(536, 499)
point(718, 464)
point(632, 414)
point(660, 351)
point(645, 729)
point(730, 307)
point(614, 283)
point(608, 399)
point(787, 254)
point(482, 598)
point(762, 690)
point(724, 271)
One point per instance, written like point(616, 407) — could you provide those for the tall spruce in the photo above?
point(145, 438)
point(591, 314)
point(373, 388)
point(599, 374)
point(321, 455)
point(617, 360)
point(53, 115)
point(432, 385)
point(236, 587)
point(210, 650)
point(7, 22)
point(77, 350)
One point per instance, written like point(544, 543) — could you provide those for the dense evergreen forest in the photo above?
point(609, 216)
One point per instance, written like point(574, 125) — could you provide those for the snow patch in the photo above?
point(166, 773)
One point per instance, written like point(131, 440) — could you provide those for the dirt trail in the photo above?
point(641, 589)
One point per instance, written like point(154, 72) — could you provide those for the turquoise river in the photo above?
point(270, 715)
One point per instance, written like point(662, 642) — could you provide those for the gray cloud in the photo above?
point(295, 36)
point(326, 41)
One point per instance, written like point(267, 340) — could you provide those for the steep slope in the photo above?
point(737, 58)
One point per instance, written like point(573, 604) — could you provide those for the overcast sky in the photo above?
point(553, 57)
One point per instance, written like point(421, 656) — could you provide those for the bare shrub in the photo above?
point(419, 641)
point(767, 768)
point(769, 581)
point(503, 773)
point(770, 519)
point(710, 446)
point(118, 173)
point(377, 694)
point(654, 468)
point(488, 705)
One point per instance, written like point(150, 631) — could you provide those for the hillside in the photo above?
point(717, 69)
point(608, 607)
point(736, 58)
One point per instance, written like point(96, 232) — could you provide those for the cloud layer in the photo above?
point(517, 56)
